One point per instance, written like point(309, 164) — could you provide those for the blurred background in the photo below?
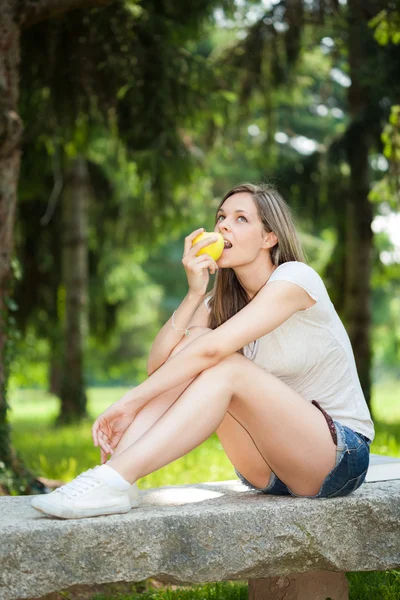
point(132, 120)
point(122, 126)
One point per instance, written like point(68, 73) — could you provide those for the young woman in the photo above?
point(264, 360)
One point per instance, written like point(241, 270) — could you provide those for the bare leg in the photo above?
point(237, 443)
point(157, 407)
point(289, 431)
point(185, 425)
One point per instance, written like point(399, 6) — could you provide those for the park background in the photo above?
point(123, 126)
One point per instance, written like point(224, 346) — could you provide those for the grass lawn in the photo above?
point(65, 452)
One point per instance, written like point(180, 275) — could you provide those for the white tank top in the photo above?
point(312, 353)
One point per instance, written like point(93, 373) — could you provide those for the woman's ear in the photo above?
point(270, 240)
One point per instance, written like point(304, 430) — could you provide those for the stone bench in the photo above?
point(292, 548)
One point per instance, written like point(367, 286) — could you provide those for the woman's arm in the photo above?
point(274, 304)
point(167, 338)
point(196, 268)
point(189, 362)
point(109, 427)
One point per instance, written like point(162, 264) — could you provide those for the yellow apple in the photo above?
point(214, 249)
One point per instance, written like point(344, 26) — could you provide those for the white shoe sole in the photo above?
point(62, 512)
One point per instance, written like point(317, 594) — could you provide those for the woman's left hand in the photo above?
point(110, 426)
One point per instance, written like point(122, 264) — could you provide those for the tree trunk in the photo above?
point(14, 15)
point(75, 279)
point(55, 373)
point(10, 136)
point(17, 478)
point(359, 210)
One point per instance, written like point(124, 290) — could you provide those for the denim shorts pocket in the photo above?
point(356, 458)
point(350, 486)
point(353, 440)
point(352, 463)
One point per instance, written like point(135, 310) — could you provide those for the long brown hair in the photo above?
point(228, 296)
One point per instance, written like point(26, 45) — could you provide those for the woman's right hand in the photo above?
point(110, 426)
point(197, 267)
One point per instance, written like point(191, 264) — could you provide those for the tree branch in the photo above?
point(34, 11)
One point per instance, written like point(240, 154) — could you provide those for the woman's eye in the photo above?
point(241, 217)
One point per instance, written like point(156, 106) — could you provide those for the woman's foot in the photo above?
point(88, 495)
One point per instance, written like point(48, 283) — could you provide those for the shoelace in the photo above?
point(84, 482)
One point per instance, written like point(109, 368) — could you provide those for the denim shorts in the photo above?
point(348, 474)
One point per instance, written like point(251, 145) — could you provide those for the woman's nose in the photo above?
point(222, 226)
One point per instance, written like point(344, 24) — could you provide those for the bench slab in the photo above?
point(200, 533)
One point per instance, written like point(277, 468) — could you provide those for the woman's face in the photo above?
point(238, 221)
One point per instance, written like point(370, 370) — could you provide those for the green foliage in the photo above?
point(386, 332)
point(118, 351)
point(388, 188)
point(391, 135)
point(132, 91)
point(225, 590)
point(387, 27)
point(11, 335)
point(15, 479)
point(131, 73)
point(385, 284)
point(374, 585)
point(30, 364)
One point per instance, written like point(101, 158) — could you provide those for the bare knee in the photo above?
point(195, 332)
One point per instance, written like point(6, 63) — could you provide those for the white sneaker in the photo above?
point(85, 496)
point(133, 494)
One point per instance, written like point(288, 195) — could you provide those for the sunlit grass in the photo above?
point(374, 585)
point(385, 401)
point(386, 411)
point(213, 591)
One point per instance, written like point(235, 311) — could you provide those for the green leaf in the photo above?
point(11, 304)
point(229, 96)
